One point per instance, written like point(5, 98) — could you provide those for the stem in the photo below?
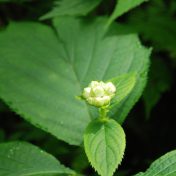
point(103, 113)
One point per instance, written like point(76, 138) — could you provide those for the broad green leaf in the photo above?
point(124, 85)
point(124, 6)
point(164, 166)
point(42, 71)
point(108, 56)
point(71, 7)
point(104, 143)
point(24, 159)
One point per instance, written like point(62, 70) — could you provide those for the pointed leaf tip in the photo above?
point(104, 142)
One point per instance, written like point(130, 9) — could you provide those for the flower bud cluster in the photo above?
point(99, 93)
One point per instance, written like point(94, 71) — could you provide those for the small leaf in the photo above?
point(104, 143)
point(71, 7)
point(124, 85)
point(164, 166)
point(124, 6)
point(22, 159)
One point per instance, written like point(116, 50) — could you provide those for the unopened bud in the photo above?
point(86, 92)
point(110, 88)
point(99, 93)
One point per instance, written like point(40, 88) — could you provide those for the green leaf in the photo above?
point(165, 165)
point(122, 7)
point(42, 70)
point(104, 143)
point(22, 159)
point(114, 54)
point(72, 8)
point(124, 85)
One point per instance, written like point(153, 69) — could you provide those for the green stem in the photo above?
point(103, 113)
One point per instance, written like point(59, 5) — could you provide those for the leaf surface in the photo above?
point(71, 8)
point(107, 56)
point(104, 143)
point(164, 166)
point(124, 85)
point(24, 159)
point(42, 71)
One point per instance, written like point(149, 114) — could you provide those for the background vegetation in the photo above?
point(150, 126)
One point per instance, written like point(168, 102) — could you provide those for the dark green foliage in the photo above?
point(50, 50)
point(19, 158)
point(160, 80)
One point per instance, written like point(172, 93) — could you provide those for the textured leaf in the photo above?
point(41, 72)
point(106, 57)
point(71, 7)
point(164, 166)
point(104, 143)
point(124, 84)
point(22, 159)
point(124, 6)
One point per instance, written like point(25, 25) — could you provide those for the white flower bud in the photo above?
point(106, 100)
point(102, 84)
point(90, 100)
point(86, 92)
point(99, 93)
point(98, 101)
point(94, 84)
point(110, 88)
